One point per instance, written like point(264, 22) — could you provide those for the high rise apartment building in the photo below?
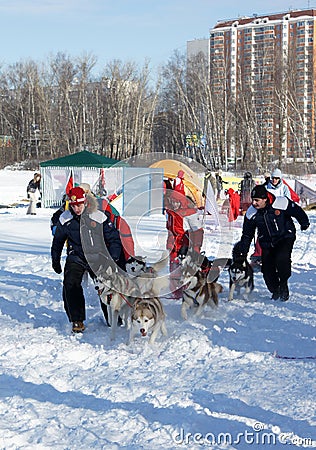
point(268, 64)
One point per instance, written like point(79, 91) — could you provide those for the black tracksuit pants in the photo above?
point(276, 264)
point(73, 297)
point(74, 301)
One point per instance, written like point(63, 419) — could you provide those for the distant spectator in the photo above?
point(33, 193)
point(167, 190)
point(276, 185)
point(219, 184)
point(245, 187)
point(178, 184)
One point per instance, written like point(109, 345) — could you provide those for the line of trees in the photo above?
point(58, 107)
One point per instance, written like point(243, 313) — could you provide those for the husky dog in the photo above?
point(123, 289)
point(147, 277)
point(240, 274)
point(115, 306)
point(137, 264)
point(147, 316)
point(200, 277)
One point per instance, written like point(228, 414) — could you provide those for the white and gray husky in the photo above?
point(117, 305)
point(147, 316)
point(124, 288)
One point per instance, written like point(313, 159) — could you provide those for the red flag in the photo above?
point(70, 183)
point(294, 196)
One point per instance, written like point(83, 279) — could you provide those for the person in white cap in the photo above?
point(276, 185)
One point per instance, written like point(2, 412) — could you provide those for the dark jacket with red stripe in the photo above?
point(91, 238)
point(274, 223)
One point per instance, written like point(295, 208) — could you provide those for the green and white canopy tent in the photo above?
point(83, 167)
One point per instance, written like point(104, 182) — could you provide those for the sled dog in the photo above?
point(136, 265)
point(240, 274)
point(146, 276)
point(148, 316)
point(117, 306)
point(200, 283)
point(124, 288)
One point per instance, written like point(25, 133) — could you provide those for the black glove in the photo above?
point(238, 252)
point(304, 227)
point(57, 267)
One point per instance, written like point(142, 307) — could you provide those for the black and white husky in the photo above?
point(240, 274)
point(148, 277)
point(138, 266)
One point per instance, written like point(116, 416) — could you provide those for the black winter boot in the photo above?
point(276, 294)
point(284, 292)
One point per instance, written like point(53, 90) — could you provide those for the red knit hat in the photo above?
point(76, 196)
point(180, 174)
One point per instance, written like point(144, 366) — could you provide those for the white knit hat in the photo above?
point(276, 173)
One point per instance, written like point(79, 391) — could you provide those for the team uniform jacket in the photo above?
point(179, 236)
point(88, 236)
point(274, 223)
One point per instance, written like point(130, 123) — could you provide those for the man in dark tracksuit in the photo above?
point(92, 240)
point(272, 217)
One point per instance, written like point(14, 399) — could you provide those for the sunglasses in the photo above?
point(275, 178)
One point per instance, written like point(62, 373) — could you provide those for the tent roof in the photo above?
point(191, 180)
point(81, 159)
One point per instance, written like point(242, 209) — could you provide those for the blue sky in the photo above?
point(130, 30)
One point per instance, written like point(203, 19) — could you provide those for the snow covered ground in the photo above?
point(214, 382)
